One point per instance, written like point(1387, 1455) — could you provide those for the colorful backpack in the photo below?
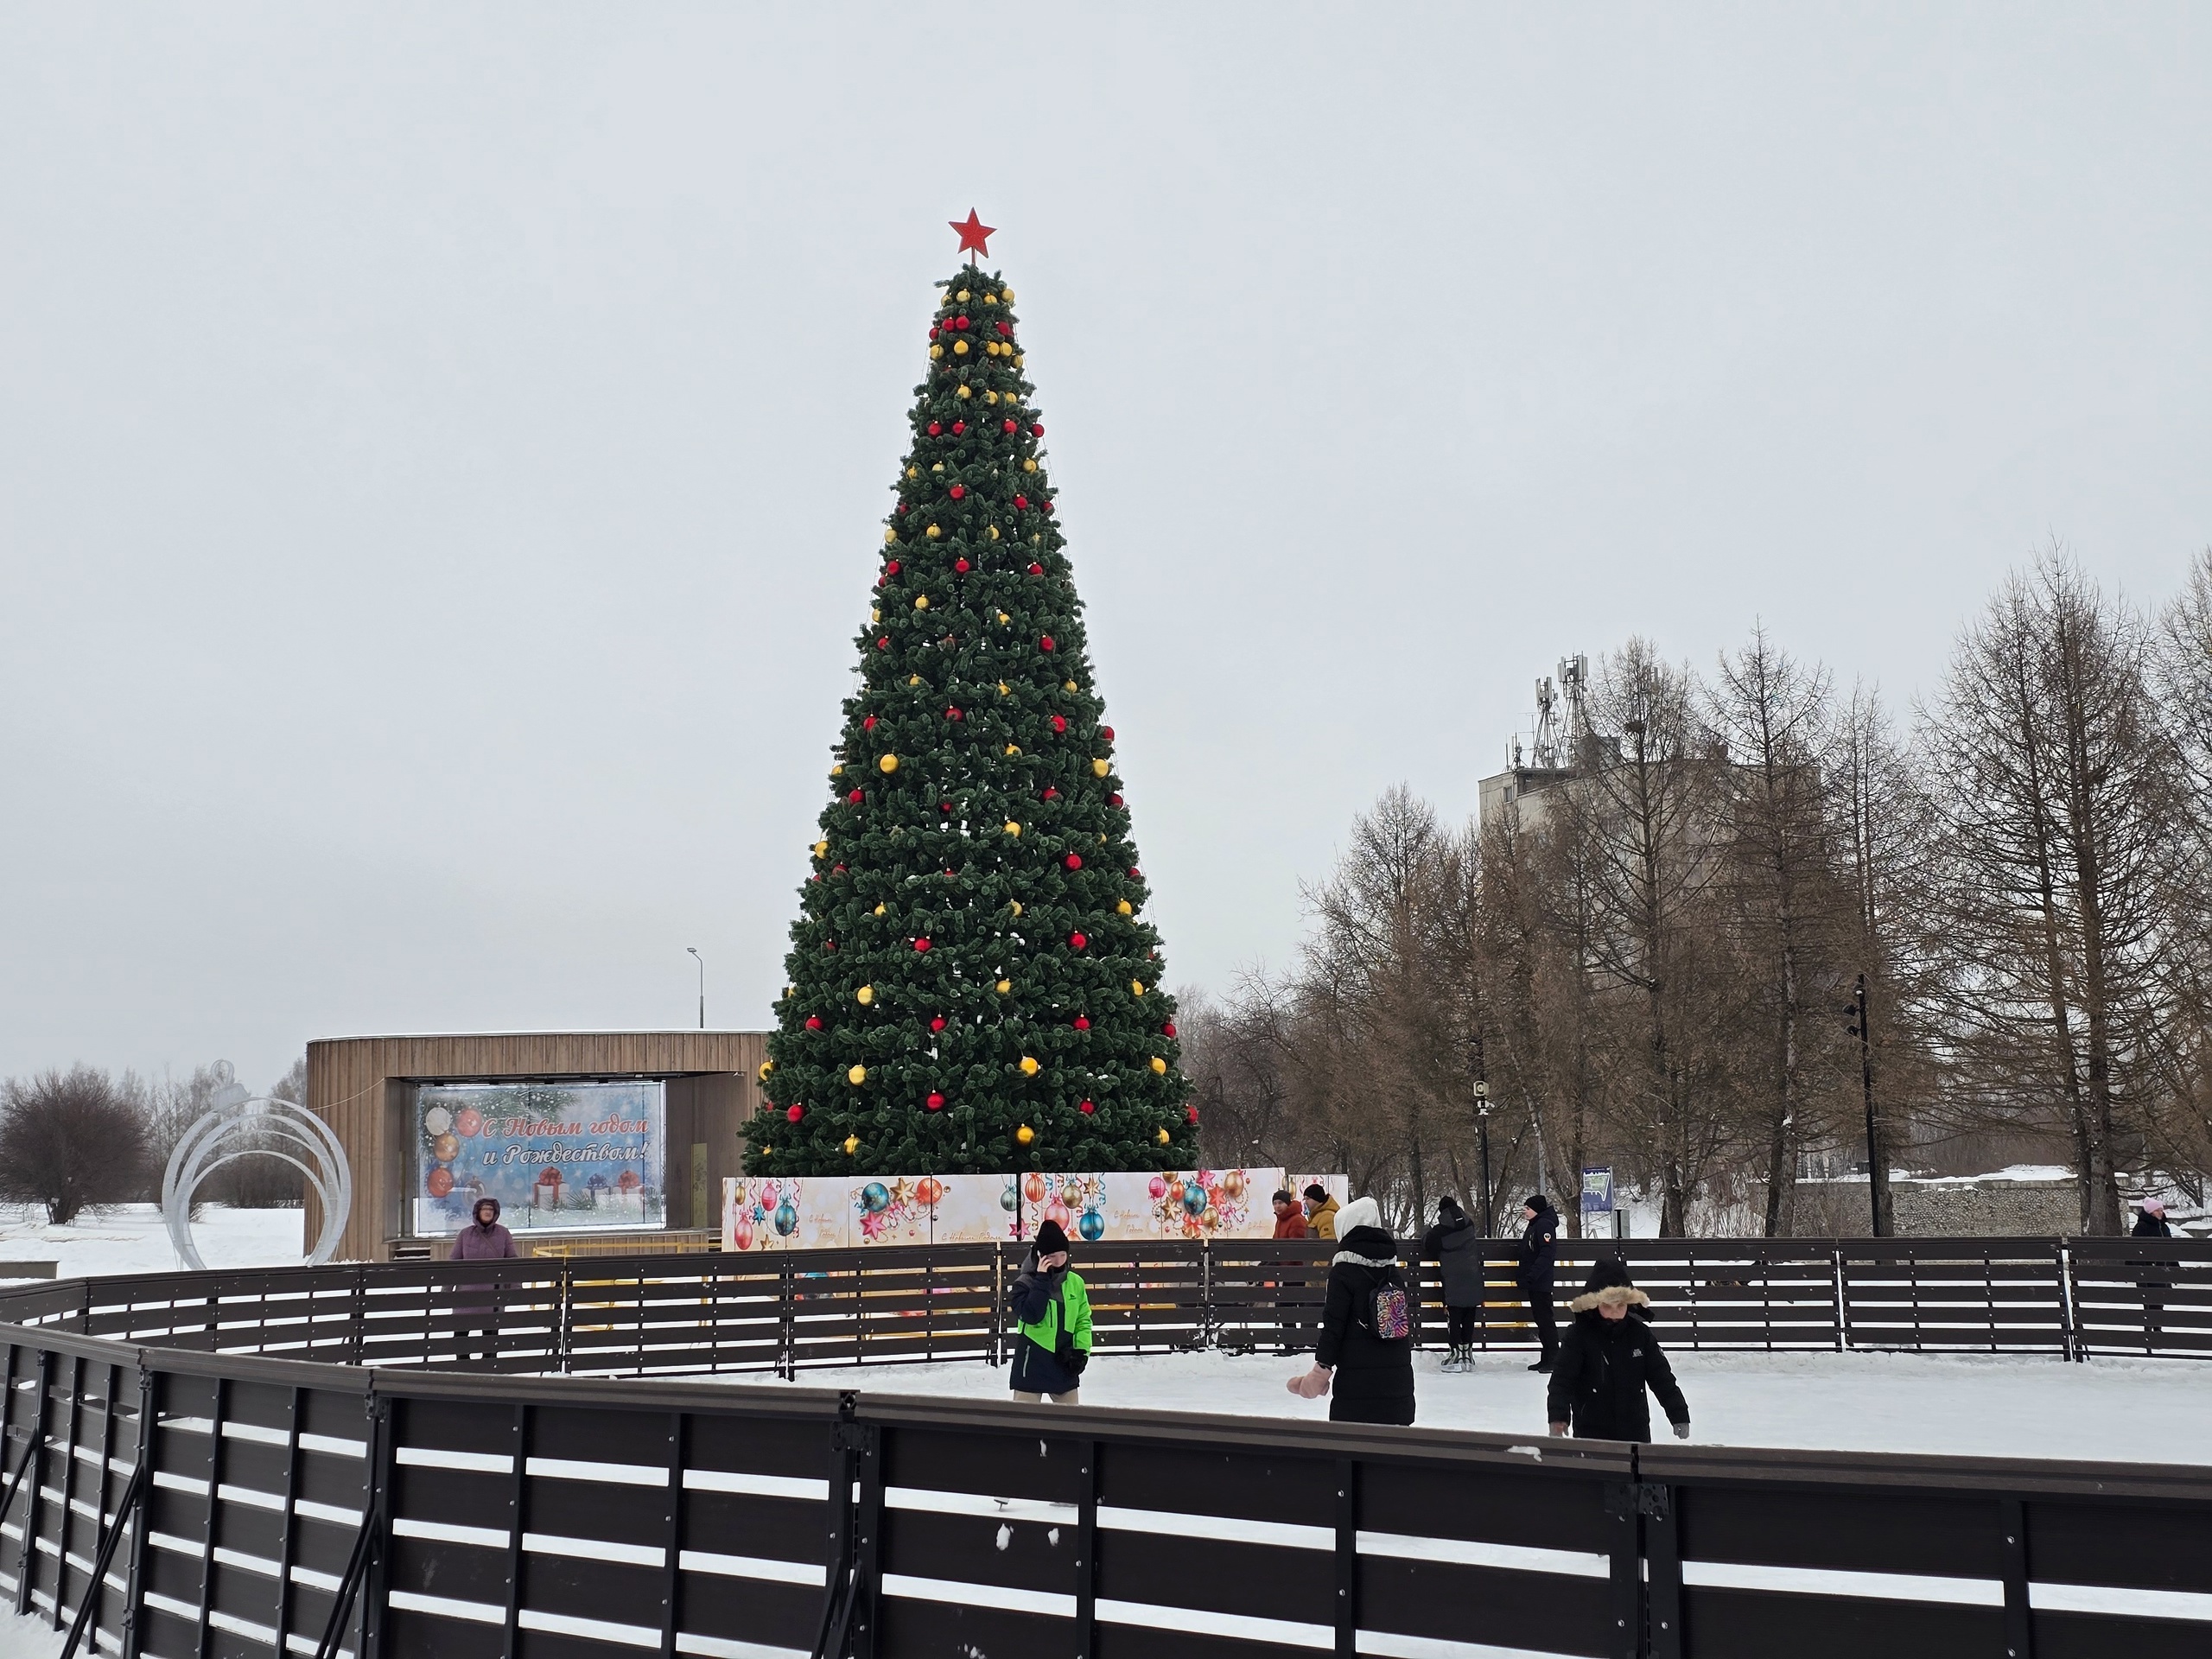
point(1393, 1314)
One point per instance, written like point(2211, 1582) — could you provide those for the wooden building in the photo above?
point(368, 1089)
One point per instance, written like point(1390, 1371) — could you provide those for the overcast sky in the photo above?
point(443, 448)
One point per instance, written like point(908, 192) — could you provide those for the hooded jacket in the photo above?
point(1322, 1223)
point(1605, 1366)
point(477, 1242)
point(1374, 1381)
point(1455, 1245)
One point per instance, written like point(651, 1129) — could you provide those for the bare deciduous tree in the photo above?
point(69, 1140)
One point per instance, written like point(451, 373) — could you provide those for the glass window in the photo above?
point(554, 1155)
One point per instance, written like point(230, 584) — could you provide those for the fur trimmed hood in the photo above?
point(1610, 1296)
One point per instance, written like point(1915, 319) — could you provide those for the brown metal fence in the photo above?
point(194, 1503)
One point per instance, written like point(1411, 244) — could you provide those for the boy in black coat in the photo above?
point(1455, 1246)
point(1369, 1377)
point(1609, 1358)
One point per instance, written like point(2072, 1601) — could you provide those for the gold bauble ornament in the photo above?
point(1028, 1065)
point(889, 763)
point(1099, 768)
point(865, 995)
point(937, 350)
point(1025, 1135)
point(991, 398)
point(1004, 986)
point(964, 392)
point(995, 532)
point(821, 850)
point(933, 533)
point(766, 1066)
point(879, 910)
point(1158, 1066)
point(837, 771)
point(1017, 359)
point(875, 613)
point(990, 299)
point(939, 468)
point(1014, 748)
point(1003, 691)
point(857, 1076)
point(1007, 295)
point(914, 472)
point(852, 1145)
point(960, 348)
point(891, 538)
point(912, 679)
point(961, 296)
point(1029, 465)
point(1123, 907)
point(1136, 988)
point(1012, 827)
point(1162, 1137)
point(1014, 904)
point(1067, 685)
point(921, 602)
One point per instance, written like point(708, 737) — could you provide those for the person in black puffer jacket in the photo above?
point(1533, 1273)
point(1369, 1377)
point(1610, 1357)
point(1455, 1245)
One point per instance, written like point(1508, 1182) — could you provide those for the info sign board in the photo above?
point(556, 1155)
point(1597, 1191)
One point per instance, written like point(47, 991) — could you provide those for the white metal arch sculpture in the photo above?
point(200, 1152)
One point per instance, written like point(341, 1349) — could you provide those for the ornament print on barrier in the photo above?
point(785, 1213)
point(295, 1130)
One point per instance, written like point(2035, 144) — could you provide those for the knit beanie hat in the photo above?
point(1050, 1239)
point(1536, 1202)
point(1610, 1271)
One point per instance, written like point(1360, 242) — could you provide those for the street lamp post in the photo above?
point(1877, 1182)
point(693, 952)
point(1482, 1129)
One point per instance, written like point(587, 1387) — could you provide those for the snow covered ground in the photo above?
point(2127, 1410)
point(130, 1238)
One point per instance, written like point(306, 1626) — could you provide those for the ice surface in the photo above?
point(130, 1238)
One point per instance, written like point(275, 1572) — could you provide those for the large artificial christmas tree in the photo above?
point(974, 986)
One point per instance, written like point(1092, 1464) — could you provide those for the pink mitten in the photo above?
point(1312, 1385)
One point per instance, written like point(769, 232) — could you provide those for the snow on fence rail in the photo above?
point(187, 1503)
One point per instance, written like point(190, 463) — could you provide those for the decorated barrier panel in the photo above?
point(819, 1213)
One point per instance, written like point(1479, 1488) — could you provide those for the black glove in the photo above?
point(1681, 1431)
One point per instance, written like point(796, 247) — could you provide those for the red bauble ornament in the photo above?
point(868, 725)
point(840, 870)
point(1005, 327)
point(814, 1022)
point(961, 565)
point(1059, 722)
point(934, 428)
point(936, 1022)
point(1168, 1030)
point(935, 1102)
point(883, 642)
point(1020, 500)
point(958, 426)
point(1052, 794)
point(1083, 1022)
point(922, 946)
point(1036, 431)
point(1077, 941)
point(1045, 506)
point(1106, 732)
point(1190, 1116)
point(1008, 426)
point(1113, 800)
point(1046, 642)
point(795, 1113)
point(1074, 861)
point(952, 714)
point(957, 491)
point(944, 806)
point(892, 568)
point(1086, 1108)
point(1036, 569)
point(1136, 874)
point(855, 798)
point(960, 323)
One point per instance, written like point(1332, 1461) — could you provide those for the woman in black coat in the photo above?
point(1368, 1377)
point(1610, 1357)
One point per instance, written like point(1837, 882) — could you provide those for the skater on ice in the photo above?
point(1455, 1243)
point(1609, 1359)
point(1365, 1360)
point(1051, 1311)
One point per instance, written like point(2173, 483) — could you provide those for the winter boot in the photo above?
point(1450, 1361)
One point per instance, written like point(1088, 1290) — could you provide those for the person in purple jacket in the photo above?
point(482, 1239)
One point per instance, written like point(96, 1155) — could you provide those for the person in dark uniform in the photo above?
point(1533, 1273)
